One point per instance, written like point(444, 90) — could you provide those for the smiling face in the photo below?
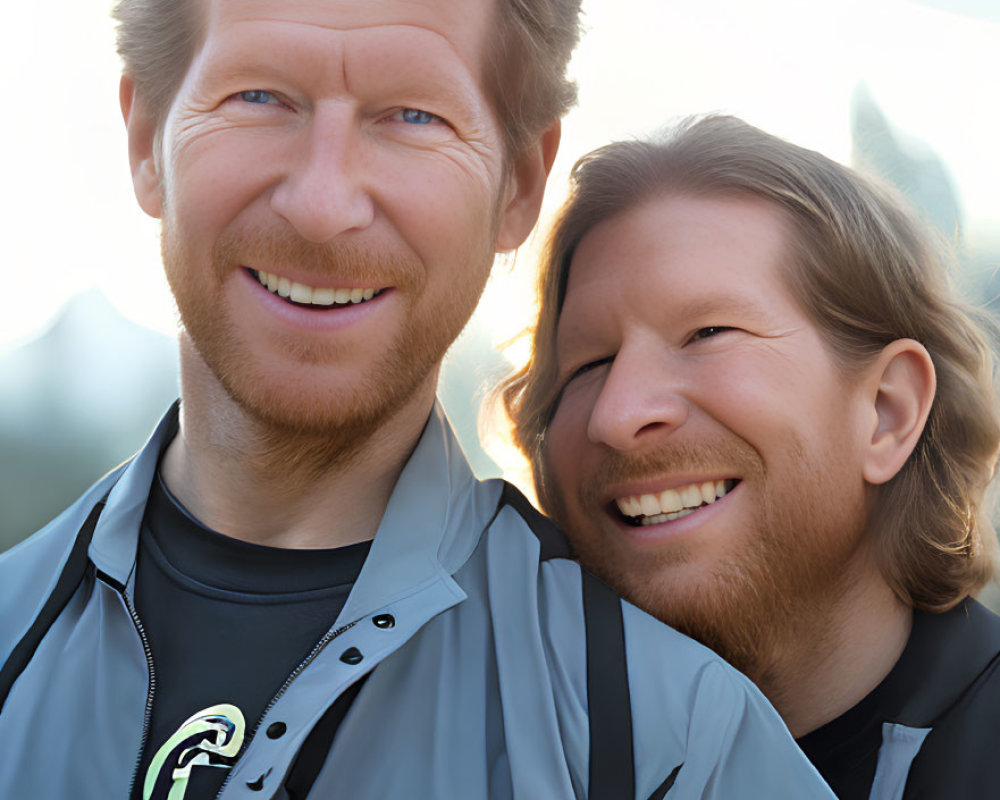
point(332, 188)
point(705, 455)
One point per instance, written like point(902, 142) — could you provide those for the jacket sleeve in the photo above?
point(727, 739)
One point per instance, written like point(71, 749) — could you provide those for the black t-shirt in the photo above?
point(947, 680)
point(227, 622)
point(845, 750)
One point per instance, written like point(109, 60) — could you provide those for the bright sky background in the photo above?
point(68, 220)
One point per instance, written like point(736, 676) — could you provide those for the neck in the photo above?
point(281, 488)
point(834, 658)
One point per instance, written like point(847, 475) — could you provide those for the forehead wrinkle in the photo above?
point(446, 87)
point(346, 27)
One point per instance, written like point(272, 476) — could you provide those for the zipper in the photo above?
point(327, 637)
point(148, 714)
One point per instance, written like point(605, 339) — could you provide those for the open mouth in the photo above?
point(671, 504)
point(299, 294)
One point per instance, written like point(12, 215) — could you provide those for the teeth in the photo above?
point(658, 518)
point(301, 293)
point(650, 505)
point(691, 497)
point(308, 295)
point(673, 503)
point(670, 501)
point(324, 297)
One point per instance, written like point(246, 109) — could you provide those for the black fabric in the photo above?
point(661, 791)
point(845, 751)
point(609, 706)
point(959, 756)
point(553, 541)
point(227, 621)
point(69, 579)
point(312, 755)
point(947, 679)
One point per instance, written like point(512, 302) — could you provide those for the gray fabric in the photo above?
point(480, 689)
point(900, 745)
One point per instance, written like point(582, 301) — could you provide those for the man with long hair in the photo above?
point(760, 413)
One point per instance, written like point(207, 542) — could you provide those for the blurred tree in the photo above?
point(923, 178)
point(74, 403)
point(907, 163)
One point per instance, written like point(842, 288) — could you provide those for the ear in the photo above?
point(525, 188)
point(904, 384)
point(141, 130)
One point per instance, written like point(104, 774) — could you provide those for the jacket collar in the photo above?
point(946, 652)
point(433, 520)
point(116, 536)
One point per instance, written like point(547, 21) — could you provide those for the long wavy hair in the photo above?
point(867, 273)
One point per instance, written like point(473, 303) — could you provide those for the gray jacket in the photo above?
point(481, 681)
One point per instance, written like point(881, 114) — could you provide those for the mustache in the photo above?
point(273, 250)
point(730, 456)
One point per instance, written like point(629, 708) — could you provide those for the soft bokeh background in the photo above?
point(87, 363)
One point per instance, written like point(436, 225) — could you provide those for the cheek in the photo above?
point(204, 195)
point(567, 449)
point(760, 400)
point(432, 195)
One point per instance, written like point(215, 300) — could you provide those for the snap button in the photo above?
point(351, 656)
point(276, 730)
point(384, 621)
point(258, 785)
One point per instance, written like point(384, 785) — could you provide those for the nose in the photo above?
point(639, 404)
point(325, 191)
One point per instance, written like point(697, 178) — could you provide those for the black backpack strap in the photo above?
point(612, 768)
point(612, 760)
point(69, 579)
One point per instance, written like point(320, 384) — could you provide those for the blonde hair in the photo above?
point(524, 67)
point(864, 269)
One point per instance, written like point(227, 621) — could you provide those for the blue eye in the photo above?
point(415, 116)
point(257, 97)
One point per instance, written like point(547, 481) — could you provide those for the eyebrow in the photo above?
point(704, 307)
point(724, 304)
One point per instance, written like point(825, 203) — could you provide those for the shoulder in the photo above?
point(552, 542)
point(29, 570)
point(946, 761)
point(666, 669)
point(649, 644)
point(687, 705)
point(957, 757)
